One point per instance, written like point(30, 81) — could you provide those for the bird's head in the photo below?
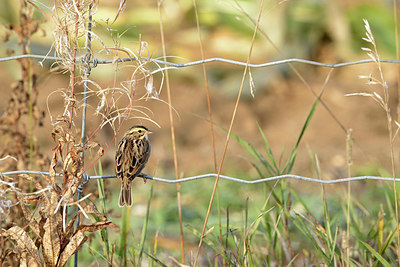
point(138, 132)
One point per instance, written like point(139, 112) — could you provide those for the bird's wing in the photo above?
point(139, 159)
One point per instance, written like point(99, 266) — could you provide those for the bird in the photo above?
point(131, 157)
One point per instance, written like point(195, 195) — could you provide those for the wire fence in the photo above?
point(224, 177)
point(89, 62)
point(96, 62)
point(93, 63)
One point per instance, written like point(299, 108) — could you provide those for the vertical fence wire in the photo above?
point(87, 68)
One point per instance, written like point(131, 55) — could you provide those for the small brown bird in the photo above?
point(131, 157)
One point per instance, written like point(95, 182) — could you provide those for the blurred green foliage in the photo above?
point(380, 18)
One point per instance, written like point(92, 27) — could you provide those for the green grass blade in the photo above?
point(299, 223)
point(123, 238)
point(269, 168)
point(208, 241)
point(102, 199)
point(245, 237)
point(388, 241)
point(292, 261)
point(376, 254)
point(268, 150)
point(289, 164)
point(146, 220)
point(252, 229)
point(301, 201)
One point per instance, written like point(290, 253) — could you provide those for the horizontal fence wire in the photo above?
point(224, 177)
point(95, 62)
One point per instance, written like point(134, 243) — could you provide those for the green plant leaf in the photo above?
point(376, 254)
point(145, 223)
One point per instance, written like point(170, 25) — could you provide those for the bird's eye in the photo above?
point(140, 131)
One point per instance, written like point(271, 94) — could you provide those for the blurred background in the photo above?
point(324, 31)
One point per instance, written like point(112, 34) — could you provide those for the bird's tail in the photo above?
point(125, 196)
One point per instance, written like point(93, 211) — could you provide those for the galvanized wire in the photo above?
point(228, 178)
point(95, 62)
point(87, 68)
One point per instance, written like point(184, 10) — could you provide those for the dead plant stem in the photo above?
point(229, 133)
point(73, 68)
point(391, 142)
point(389, 118)
point(72, 83)
point(210, 117)
point(206, 85)
point(171, 120)
point(396, 32)
point(349, 145)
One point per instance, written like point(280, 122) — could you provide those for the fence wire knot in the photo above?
point(85, 178)
point(89, 62)
point(94, 63)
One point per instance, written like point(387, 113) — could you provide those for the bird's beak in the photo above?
point(149, 132)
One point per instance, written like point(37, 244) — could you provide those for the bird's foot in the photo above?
point(143, 176)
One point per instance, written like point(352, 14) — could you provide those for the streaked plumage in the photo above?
point(132, 154)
